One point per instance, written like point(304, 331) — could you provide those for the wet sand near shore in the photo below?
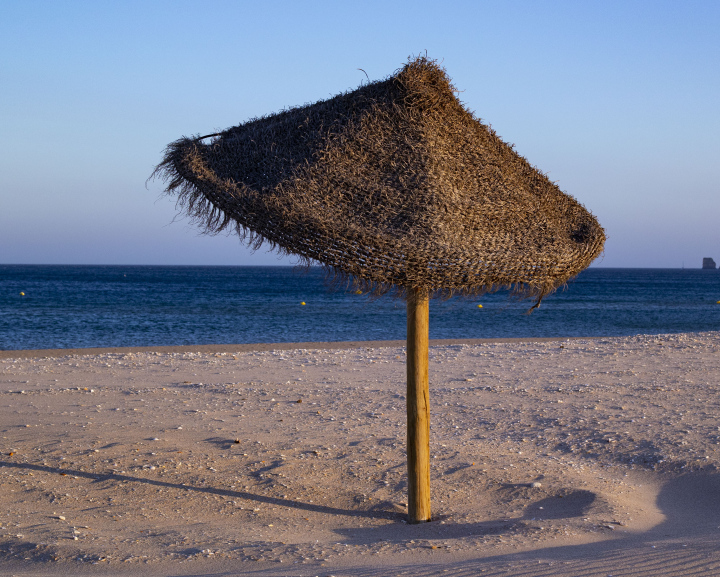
point(549, 457)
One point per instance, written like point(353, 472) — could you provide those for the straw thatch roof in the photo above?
point(395, 184)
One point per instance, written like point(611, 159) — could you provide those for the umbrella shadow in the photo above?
point(690, 505)
point(568, 504)
point(564, 504)
point(375, 512)
point(575, 503)
point(686, 541)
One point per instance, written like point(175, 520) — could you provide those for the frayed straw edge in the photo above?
point(191, 202)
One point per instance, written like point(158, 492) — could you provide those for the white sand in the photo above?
point(127, 462)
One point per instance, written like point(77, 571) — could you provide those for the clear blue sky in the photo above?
point(619, 102)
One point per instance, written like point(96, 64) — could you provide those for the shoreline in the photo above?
point(259, 347)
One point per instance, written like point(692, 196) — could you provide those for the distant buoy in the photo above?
point(22, 294)
point(358, 292)
point(302, 303)
point(479, 306)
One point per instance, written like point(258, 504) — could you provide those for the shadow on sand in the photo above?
point(685, 543)
point(374, 512)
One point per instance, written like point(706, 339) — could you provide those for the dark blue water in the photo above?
point(102, 306)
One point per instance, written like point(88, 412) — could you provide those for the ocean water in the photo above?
point(104, 306)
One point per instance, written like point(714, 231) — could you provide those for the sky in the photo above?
point(618, 102)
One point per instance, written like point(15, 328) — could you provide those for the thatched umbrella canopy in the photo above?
point(395, 185)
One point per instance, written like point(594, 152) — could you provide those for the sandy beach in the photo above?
point(589, 457)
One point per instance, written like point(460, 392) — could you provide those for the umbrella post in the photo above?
point(418, 407)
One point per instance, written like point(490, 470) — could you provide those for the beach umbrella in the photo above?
point(395, 187)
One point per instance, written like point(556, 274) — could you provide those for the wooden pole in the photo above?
point(418, 407)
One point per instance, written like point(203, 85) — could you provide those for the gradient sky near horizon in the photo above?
point(617, 101)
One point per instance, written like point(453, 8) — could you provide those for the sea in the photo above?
point(49, 307)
